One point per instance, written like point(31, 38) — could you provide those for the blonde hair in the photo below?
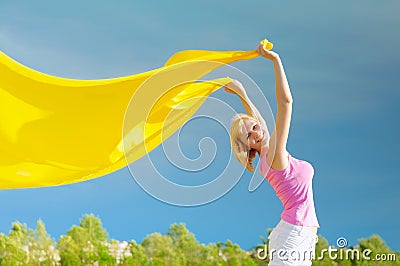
point(241, 150)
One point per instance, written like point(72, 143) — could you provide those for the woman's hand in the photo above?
point(235, 87)
point(267, 53)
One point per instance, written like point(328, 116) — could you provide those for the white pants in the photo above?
point(291, 244)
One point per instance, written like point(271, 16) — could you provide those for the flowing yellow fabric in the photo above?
point(56, 131)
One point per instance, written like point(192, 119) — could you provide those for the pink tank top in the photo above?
point(293, 186)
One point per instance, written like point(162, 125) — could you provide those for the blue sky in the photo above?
point(342, 61)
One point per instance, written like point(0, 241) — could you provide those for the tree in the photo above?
point(161, 251)
point(186, 242)
point(86, 244)
point(94, 228)
point(372, 247)
point(213, 254)
point(42, 247)
point(3, 249)
point(70, 251)
point(17, 245)
point(135, 255)
point(235, 256)
point(24, 246)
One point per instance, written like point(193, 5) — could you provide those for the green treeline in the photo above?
point(88, 244)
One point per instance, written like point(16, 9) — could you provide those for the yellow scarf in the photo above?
point(56, 131)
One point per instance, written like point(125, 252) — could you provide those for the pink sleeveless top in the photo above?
point(293, 186)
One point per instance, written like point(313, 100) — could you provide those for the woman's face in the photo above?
point(253, 135)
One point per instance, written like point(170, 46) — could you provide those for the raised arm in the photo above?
point(237, 88)
point(279, 137)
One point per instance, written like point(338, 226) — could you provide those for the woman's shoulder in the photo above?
point(270, 161)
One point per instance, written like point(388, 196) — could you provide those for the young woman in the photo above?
point(292, 241)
